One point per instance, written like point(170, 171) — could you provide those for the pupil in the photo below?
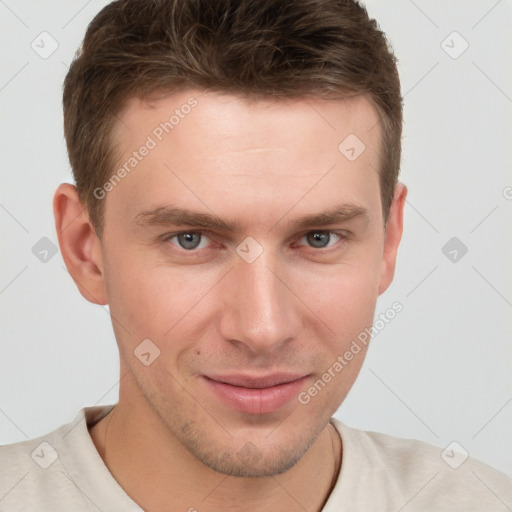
point(187, 240)
point(319, 238)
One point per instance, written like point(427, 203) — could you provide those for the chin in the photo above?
point(248, 454)
point(249, 460)
point(252, 448)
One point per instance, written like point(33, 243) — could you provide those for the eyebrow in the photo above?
point(165, 216)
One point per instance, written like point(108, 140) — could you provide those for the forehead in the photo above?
point(220, 151)
point(239, 115)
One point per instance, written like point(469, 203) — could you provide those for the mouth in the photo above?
point(256, 395)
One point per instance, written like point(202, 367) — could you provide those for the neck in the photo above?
point(155, 469)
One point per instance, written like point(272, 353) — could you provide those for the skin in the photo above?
point(295, 308)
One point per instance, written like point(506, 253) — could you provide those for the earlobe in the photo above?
point(394, 229)
point(79, 245)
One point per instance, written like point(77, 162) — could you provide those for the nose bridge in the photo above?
point(260, 312)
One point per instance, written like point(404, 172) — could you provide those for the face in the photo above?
point(250, 250)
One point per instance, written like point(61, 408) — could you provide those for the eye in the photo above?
point(189, 240)
point(321, 239)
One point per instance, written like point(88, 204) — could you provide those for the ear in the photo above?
point(80, 247)
point(393, 234)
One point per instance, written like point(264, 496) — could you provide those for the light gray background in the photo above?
point(440, 371)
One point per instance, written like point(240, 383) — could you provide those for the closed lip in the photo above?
point(257, 382)
point(251, 394)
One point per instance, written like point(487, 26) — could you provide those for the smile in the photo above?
point(256, 395)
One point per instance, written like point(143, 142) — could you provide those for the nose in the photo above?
point(260, 310)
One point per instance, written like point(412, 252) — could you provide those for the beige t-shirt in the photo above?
point(63, 471)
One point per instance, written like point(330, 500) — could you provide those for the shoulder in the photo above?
point(425, 477)
point(47, 473)
point(31, 469)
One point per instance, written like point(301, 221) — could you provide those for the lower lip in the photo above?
point(256, 401)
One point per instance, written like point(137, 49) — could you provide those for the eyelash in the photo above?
point(343, 236)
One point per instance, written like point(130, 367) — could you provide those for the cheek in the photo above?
point(346, 303)
point(154, 302)
point(343, 296)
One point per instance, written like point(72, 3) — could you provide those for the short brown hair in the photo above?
point(282, 48)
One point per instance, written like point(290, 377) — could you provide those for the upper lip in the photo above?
point(259, 382)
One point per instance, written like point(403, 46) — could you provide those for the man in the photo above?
point(237, 207)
